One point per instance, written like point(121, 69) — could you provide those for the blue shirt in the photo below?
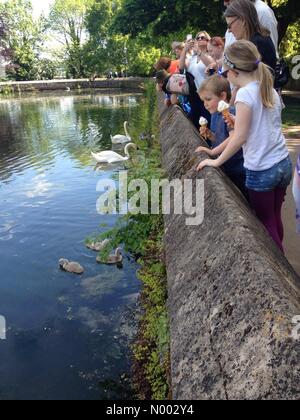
point(234, 165)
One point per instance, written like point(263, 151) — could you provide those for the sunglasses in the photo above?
point(201, 38)
point(229, 26)
point(225, 73)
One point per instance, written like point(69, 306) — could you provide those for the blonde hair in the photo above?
point(244, 56)
point(217, 85)
point(206, 34)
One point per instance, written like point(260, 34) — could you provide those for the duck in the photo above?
point(117, 258)
point(98, 246)
point(120, 139)
point(113, 157)
point(70, 266)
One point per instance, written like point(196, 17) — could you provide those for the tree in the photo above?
point(68, 20)
point(171, 16)
point(23, 38)
point(287, 13)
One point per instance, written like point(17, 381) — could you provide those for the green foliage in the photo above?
point(169, 16)
point(290, 45)
point(178, 18)
point(98, 36)
point(24, 38)
point(68, 20)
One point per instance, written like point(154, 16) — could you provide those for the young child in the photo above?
point(258, 130)
point(212, 92)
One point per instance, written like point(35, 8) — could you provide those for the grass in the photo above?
point(291, 114)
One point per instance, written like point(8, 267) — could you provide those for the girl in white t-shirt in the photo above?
point(258, 130)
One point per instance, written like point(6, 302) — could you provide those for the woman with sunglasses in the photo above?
point(200, 59)
point(195, 69)
point(243, 22)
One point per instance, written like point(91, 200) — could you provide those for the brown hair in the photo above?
point(246, 11)
point(217, 85)
point(163, 63)
point(162, 76)
point(217, 41)
point(244, 56)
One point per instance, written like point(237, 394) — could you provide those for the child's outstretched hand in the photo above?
point(230, 121)
point(207, 162)
point(206, 150)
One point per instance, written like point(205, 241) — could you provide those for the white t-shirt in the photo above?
point(197, 69)
point(266, 145)
point(229, 39)
point(268, 19)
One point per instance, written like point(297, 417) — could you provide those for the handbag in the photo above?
point(178, 85)
point(282, 74)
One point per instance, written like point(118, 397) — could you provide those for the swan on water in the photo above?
point(98, 246)
point(113, 157)
point(116, 258)
point(119, 139)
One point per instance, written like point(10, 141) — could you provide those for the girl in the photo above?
point(258, 130)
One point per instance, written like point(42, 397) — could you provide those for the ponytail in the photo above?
point(266, 81)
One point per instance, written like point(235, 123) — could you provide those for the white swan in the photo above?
point(119, 139)
point(113, 157)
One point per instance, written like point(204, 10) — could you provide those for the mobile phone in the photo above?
point(189, 37)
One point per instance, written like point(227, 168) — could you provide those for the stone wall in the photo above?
point(232, 295)
point(51, 85)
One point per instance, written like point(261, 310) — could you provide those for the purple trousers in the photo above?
point(268, 206)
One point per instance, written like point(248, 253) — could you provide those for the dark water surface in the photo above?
point(66, 334)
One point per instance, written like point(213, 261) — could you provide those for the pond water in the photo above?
point(67, 335)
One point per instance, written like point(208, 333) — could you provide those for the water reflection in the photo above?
point(67, 336)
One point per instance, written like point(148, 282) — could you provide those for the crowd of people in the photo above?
point(228, 87)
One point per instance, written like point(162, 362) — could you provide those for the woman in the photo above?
point(195, 69)
point(242, 20)
point(215, 50)
point(198, 63)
